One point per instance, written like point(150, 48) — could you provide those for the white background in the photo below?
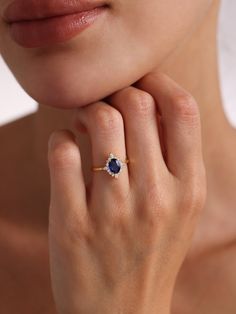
point(15, 103)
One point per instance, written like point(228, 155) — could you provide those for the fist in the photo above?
point(116, 246)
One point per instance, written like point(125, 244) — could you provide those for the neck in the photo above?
point(194, 66)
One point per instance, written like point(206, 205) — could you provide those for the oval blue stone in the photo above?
point(114, 165)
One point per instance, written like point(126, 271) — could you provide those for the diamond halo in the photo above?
point(113, 166)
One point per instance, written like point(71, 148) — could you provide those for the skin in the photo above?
point(92, 54)
point(127, 237)
point(168, 270)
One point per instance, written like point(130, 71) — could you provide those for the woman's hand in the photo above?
point(117, 246)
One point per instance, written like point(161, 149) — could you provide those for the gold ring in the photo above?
point(113, 165)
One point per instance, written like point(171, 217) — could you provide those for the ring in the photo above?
point(113, 165)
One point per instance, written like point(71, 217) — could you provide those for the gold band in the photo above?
point(102, 168)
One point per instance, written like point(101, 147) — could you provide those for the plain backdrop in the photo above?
point(15, 103)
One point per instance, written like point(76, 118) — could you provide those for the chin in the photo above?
point(77, 74)
point(63, 87)
point(68, 95)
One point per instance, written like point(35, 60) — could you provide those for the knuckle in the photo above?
point(68, 231)
point(118, 222)
point(63, 156)
point(113, 225)
point(107, 117)
point(156, 204)
point(77, 231)
point(119, 214)
point(121, 199)
point(156, 215)
point(186, 107)
point(194, 198)
point(140, 102)
point(63, 152)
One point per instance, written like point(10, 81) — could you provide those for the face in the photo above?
point(131, 38)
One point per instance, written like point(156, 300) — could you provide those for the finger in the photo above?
point(105, 128)
point(143, 144)
point(181, 121)
point(67, 188)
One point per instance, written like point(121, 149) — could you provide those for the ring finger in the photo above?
point(143, 142)
point(105, 128)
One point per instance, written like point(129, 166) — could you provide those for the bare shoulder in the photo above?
point(16, 140)
point(15, 134)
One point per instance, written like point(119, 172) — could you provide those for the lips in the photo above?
point(38, 23)
point(24, 10)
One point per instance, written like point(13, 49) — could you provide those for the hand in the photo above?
point(117, 246)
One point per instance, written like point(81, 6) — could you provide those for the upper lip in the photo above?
point(23, 10)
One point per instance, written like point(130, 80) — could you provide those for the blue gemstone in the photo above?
point(114, 165)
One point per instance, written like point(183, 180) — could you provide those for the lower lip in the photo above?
point(49, 31)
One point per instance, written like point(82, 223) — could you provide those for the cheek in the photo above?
point(134, 37)
point(158, 26)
